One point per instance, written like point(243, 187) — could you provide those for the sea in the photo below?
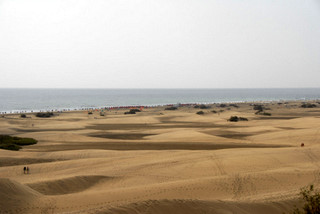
point(35, 100)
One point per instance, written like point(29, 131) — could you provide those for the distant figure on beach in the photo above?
point(302, 144)
point(27, 170)
point(24, 170)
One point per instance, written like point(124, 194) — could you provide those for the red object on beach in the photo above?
point(302, 144)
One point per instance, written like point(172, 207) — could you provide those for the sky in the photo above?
point(159, 44)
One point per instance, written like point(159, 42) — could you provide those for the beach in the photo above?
point(162, 161)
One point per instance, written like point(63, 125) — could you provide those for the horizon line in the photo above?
point(164, 88)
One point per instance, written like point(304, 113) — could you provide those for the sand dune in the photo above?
point(67, 185)
point(14, 194)
point(161, 161)
point(196, 206)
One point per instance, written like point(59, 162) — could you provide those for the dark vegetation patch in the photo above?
point(236, 119)
point(234, 105)
point(258, 107)
point(44, 114)
point(132, 111)
point(263, 113)
point(214, 111)
point(222, 105)
point(23, 115)
point(202, 106)
point(15, 143)
point(122, 136)
point(200, 113)
point(171, 108)
point(308, 105)
point(311, 199)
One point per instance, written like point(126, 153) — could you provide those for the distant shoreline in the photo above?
point(16, 112)
point(42, 100)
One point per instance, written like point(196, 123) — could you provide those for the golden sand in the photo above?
point(161, 161)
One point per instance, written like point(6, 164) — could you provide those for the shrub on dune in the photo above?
point(171, 108)
point(15, 143)
point(132, 111)
point(258, 107)
point(200, 113)
point(236, 119)
point(308, 105)
point(263, 113)
point(234, 105)
point(311, 199)
point(202, 106)
point(44, 114)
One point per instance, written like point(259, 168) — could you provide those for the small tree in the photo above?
point(311, 199)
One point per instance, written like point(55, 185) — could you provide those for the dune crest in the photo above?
point(15, 194)
point(67, 185)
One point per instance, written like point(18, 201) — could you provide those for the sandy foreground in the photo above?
point(161, 161)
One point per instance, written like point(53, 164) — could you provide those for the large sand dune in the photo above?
point(161, 161)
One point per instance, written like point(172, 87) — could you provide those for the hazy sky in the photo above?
point(159, 43)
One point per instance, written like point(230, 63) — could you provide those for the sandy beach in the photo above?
point(161, 161)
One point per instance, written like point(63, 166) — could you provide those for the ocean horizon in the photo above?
point(16, 100)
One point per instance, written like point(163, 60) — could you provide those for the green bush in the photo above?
point(44, 114)
point(135, 110)
point(15, 143)
point(24, 141)
point(10, 147)
point(202, 106)
point(171, 108)
point(200, 112)
point(263, 113)
point(311, 199)
point(258, 107)
point(234, 105)
point(308, 105)
point(23, 115)
point(132, 111)
point(236, 119)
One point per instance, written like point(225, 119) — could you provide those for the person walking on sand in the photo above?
point(24, 170)
point(27, 170)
